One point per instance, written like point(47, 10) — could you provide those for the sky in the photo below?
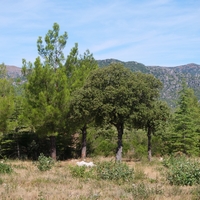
point(152, 32)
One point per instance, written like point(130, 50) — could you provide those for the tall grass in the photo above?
point(27, 182)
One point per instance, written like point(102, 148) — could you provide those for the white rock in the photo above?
point(83, 163)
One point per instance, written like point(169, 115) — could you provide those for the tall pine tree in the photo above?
point(47, 91)
point(185, 137)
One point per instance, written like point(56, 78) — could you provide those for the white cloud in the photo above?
point(147, 30)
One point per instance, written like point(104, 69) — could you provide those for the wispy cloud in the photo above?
point(160, 32)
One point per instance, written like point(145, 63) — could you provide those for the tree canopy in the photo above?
point(118, 94)
point(6, 99)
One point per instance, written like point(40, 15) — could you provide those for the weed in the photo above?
point(5, 168)
point(182, 171)
point(114, 171)
point(45, 163)
point(139, 174)
point(196, 193)
point(143, 191)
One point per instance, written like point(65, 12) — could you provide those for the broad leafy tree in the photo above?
point(118, 96)
point(152, 118)
point(82, 113)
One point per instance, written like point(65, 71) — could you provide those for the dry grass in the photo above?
point(27, 182)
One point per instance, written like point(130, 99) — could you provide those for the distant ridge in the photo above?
point(171, 77)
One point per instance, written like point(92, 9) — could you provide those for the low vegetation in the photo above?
point(5, 168)
point(44, 163)
point(107, 180)
point(66, 107)
point(182, 171)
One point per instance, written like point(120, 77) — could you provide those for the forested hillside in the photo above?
point(74, 106)
point(171, 77)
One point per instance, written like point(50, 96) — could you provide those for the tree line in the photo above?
point(69, 103)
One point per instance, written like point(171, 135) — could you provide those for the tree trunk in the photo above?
point(84, 135)
point(18, 148)
point(119, 142)
point(149, 143)
point(53, 147)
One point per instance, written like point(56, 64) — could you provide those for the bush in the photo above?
point(45, 163)
point(105, 148)
point(105, 170)
point(5, 168)
point(182, 171)
point(82, 172)
point(114, 171)
point(78, 171)
point(143, 191)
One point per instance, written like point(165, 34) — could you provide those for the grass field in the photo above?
point(27, 182)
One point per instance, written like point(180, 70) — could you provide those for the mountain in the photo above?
point(171, 77)
point(13, 71)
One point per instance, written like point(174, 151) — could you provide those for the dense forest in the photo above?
point(74, 106)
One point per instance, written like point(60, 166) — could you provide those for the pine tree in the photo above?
point(185, 137)
point(78, 68)
point(6, 99)
point(47, 91)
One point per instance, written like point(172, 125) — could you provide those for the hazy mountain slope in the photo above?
point(13, 71)
point(171, 77)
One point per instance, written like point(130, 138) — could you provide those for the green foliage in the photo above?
point(78, 171)
point(105, 148)
point(46, 91)
point(45, 163)
point(6, 99)
point(78, 67)
point(102, 140)
point(82, 172)
point(182, 171)
point(105, 170)
point(185, 135)
point(117, 95)
point(116, 171)
point(139, 143)
point(55, 44)
point(143, 191)
point(196, 193)
point(5, 168)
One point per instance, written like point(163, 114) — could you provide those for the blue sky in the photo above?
point(152, 32)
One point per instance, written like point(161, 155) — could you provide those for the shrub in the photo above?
point(5, 168)
point(105, 148)
point(104, 170)
point(45, 163)
point(114, 171)
point(78, 171)
point(82, 171)
point(143, 191)
point(182, 171)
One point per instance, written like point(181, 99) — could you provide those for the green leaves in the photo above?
point(6, 99)
point(182, 171)
point(53, 51)
point(185, 137)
